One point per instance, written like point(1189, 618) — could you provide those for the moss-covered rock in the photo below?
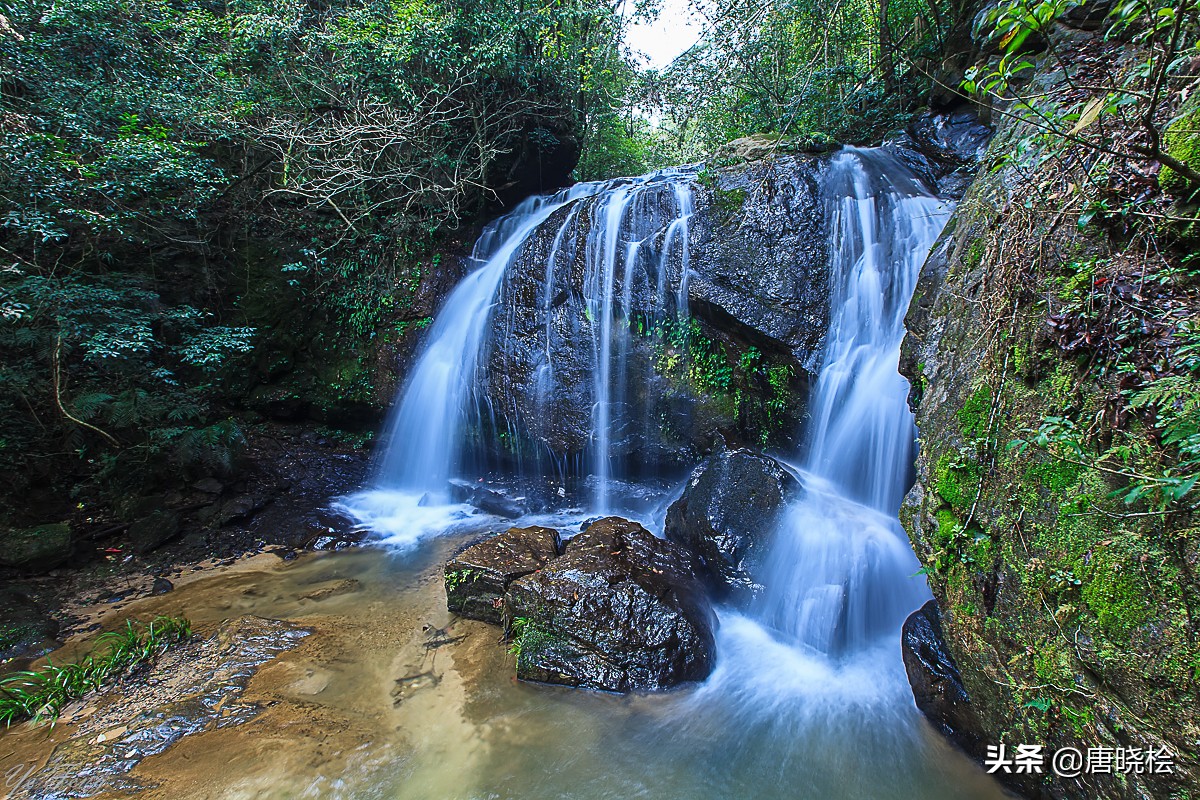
point(36, 549)
point(1182, 142)
point(1070, 618)
point(477, 578)
point(620, 610)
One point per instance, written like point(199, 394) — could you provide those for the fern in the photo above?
point(88, 406)
point(1175, 400)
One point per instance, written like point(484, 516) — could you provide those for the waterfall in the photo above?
point(423, 435)
point(842, 568)
point(809, 684)
point(443, 401)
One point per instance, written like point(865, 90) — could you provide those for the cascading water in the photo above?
point(842, 569)
point(809, 697)
point(442, 399)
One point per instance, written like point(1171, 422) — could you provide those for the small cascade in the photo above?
point(842, 567)
point(423, 446)
point(633, 248)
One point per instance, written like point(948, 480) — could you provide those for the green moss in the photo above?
point(957, 481)
point(975, 414)
point(947, 526)
point(1115, 589)
point(1182, 142)
point(975, 253)
point(458, 578)
point(530, 639)
point(1054, 474)
point(729, 201)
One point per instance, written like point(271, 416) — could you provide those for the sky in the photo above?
point(668, 36)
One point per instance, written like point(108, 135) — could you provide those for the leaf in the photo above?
point(1090, 113)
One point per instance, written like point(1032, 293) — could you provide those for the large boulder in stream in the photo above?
point(936, 683)
point(727, 514)
point(477, 578)
point(620, 610)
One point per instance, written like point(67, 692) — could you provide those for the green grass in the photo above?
point(40, 694)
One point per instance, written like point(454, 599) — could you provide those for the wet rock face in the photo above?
point(620, 611)
point(756, 277)
point(477, 578)
point(759, 261)
point(944, 150)
point(726, 515)
point(935, 680)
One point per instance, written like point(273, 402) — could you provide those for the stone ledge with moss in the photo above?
point(1067, 591)
point(477, 578)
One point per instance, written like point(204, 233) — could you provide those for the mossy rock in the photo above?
point(1182, 142)
point(36, 549)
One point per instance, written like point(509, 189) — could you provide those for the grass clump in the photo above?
point(40, 694)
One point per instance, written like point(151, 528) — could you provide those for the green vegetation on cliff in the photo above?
point(1057, 507)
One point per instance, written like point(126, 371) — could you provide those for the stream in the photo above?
point(391, 697)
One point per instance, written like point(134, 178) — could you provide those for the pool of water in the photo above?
point(393, 698)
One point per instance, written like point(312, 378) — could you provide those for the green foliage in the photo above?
point(1123, 115)
point(40, 694)
point(755, 391)
point(199, 199)
point(133, 381)
point(810, 70)
point(459, 578)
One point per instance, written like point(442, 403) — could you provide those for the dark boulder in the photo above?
point(727, 514)
point(36, 549)
point(937, 686)
point(486, 500)
point(153, 531)
point(620, 611)
point(477, 578)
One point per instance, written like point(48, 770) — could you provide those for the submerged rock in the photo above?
point(935, 680)
point(620, 610)
point(727, 514)
point(477, 578)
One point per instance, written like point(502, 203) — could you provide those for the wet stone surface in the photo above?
point(477, 578)
point(726, 515)
point(620, 610)
point(194, 688)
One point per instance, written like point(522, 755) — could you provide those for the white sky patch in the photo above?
point(659, 43)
